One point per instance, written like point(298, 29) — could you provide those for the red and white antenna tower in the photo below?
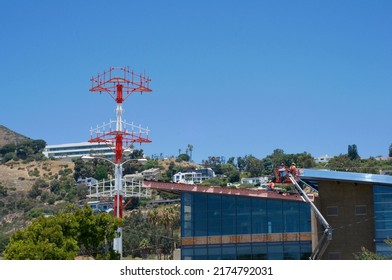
point(119, 83)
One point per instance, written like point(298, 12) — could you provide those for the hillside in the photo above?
point(165, 163)
point(21, 176)
point(8, 136)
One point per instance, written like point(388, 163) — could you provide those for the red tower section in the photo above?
point(119, 83)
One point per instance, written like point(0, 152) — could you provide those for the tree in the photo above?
point(63, 236)
point(241, 163)
point(183, 157)
point(231, 161)
point(254, 166)
point(390, 150)
point(144, 245)
point(353, 152)
point(190, 149)
point(135, 229)
point(153, 217)
point(27, 150)
point(44, 239)
point(365, 254)
point(344, 163)
point(101, 172)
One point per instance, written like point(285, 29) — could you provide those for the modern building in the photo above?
point(152, 174)
point(358, 207)
point(323, 159)
point(254, 181)
point(231, 223)
point(194, 177)
point(76, 150)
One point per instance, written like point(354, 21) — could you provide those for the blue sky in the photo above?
point(231, 78)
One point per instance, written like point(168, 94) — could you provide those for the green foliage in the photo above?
point(28, 150)
point(215, 182)
point(390, 151)
point(135, 229)
point(65, 172)
point(371, 165)
point(302, 160)
point(151, 164)
point(157, 232)
point(63, 236)
point(3, 191)
point(254, 166)
point(101, 172)
point(34, 191)
point(4, 239)
point(214, 162)
point(9, 156)
point(184, 157)
point(353, 152)
point(365, 254)
point(44, 239)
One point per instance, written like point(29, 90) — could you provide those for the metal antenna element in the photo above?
point(119, 83)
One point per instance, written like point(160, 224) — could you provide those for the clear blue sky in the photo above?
point(232, 78)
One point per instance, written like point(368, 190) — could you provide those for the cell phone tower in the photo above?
point(119, 83)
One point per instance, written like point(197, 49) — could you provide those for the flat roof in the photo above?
point(178, 188)
point(80, 144)
point(318, 174)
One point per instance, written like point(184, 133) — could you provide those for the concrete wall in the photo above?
point(351, 230)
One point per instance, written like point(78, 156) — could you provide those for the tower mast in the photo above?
point(119, 83)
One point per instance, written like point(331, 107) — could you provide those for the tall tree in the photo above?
point(390, 150)
point(353, 152)
point(254, 166)
point(190, 149)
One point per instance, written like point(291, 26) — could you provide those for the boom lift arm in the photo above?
point(327, 234)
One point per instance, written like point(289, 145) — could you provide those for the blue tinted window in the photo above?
point(275, 251)
point(200, 253)
point(304, 217)
point(214, 209)
point(200, 214)
point(229, 252)
point(243, 215)
point(259, 251)
point(274, 216)
point(244, 252)
point(291, 216)
point(305, 250)
point(214, 252)
point(186, 253)
point(186, 218)
point(382, 196)
point(259, 216)
point(229, 215)
point(291, 251)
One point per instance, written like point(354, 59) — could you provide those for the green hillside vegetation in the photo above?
point(33, 187)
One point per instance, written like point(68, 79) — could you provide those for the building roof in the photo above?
point(178, 188)
point(316, 175)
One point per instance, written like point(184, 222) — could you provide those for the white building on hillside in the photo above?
point(254, 181)
point(322, 159)
point(194, 177)
point(75, 150)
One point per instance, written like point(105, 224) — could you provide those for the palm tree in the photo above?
point(154, 217)
point(190, 148)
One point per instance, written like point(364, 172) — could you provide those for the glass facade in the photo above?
point(383, 218)
point(241, 219)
